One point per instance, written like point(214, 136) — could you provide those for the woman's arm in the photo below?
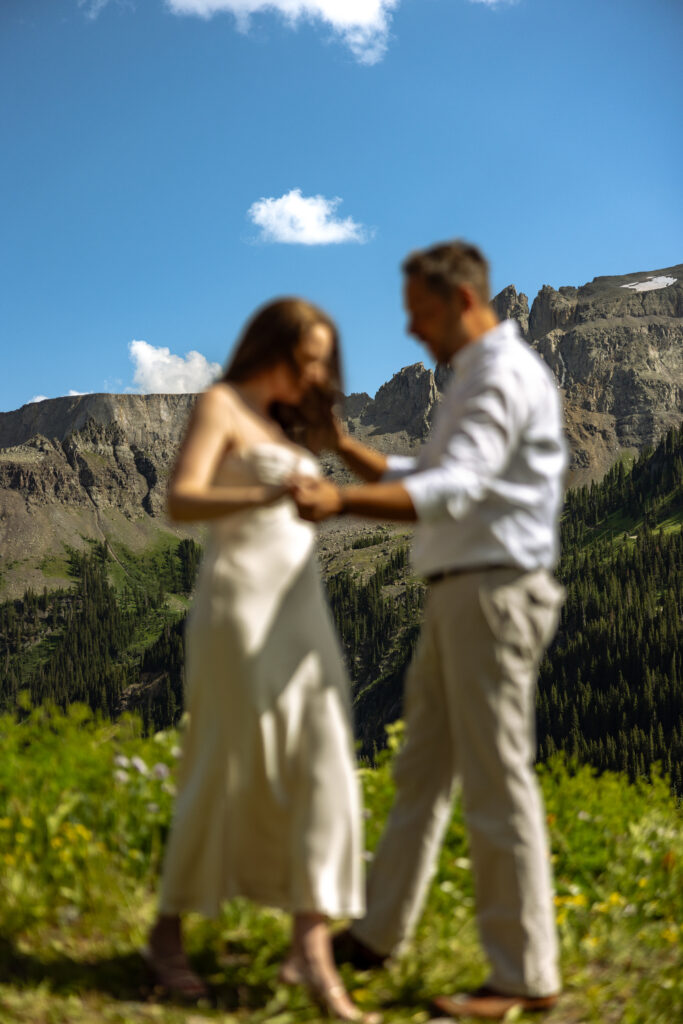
point(192, 496)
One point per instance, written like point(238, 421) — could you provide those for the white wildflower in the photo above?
point(120, 775)
point(139, 765)
point(153, 808)
point(121, 761)
point(161, 771)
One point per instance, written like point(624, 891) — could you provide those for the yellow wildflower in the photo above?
point(577, 900)
point(5, 822)
point(615, 899)
point(26, 822)
point(670, 933)
point(10, 859)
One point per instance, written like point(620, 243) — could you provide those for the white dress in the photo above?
point(268, 804)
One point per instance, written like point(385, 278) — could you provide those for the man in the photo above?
point(485, 493)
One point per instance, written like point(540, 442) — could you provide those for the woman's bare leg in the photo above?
point(310, 962)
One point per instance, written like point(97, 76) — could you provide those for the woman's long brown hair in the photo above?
point(271, 337)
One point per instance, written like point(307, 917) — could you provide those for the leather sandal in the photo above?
point(487, 1004)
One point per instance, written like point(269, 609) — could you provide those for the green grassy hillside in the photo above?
point(611, 687)
point(84, 809)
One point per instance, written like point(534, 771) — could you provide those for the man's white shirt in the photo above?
point(487, 486)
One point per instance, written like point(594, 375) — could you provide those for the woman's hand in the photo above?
point(316, 499)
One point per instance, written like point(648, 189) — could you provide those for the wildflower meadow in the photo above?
point(85, 806)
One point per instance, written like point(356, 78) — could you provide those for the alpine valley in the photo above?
point(95, 582)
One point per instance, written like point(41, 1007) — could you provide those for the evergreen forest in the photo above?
point(610, 688)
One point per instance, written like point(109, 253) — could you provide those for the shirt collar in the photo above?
point(502, 333)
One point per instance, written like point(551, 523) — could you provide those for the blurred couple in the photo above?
point(268, 805)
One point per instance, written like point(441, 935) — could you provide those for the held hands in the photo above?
point(315, 499)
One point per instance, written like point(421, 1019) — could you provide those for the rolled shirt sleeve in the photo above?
point(472, 448)
point(399, 466)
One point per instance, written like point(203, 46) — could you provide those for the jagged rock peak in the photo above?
point(512, 305)
point(355, 403)
point(404, 403)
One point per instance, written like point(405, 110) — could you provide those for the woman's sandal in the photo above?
point(173, 973)
point(326, 996)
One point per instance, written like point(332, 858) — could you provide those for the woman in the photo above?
point(268, 805)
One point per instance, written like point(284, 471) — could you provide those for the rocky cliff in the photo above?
point(616, 348)
point(97, 465)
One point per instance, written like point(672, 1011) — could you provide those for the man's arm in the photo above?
point(319, 499)
point(484, 432)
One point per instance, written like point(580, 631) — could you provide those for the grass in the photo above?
point(55, 567)
point(82, 826)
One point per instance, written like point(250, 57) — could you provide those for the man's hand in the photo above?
point(315, 499)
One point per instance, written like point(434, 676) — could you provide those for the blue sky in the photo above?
point(164, 172)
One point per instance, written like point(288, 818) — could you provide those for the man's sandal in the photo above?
point(487, 1004)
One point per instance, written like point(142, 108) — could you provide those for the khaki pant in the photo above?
point(470, 716)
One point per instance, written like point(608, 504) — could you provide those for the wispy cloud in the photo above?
point(93, 8)
point(37, 398)
point(158, 371)
point(304, 220)
point(363, 25)
point(495, 3)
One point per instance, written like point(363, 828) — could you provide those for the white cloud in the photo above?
point(495, 3)
point(362, 24)
point(304, 220)
point(70, 394)
point(158, 371)
point(651, 284)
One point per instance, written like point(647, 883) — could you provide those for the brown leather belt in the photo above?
point(462, 570)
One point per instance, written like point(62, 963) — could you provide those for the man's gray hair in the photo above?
point(448, 264)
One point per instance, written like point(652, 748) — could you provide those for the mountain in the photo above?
point(610, 687)
point(96, 466)
point(90, 466)
point(615, 346)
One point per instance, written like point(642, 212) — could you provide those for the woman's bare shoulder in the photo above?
point(218, 400)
